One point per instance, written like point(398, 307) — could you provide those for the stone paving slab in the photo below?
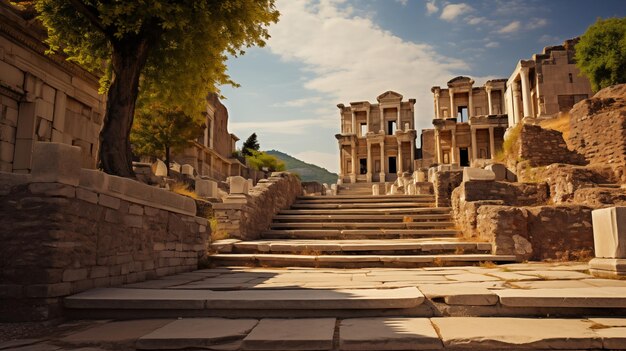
point(551, 284)
point(196, 333)
point(607, 297)
point(288, 334)
point(460, 295)
point(471, 333)
point(555, 274)
point(122, 331)
point(121, 298)
point(388, 334)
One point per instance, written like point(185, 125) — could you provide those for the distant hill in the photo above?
point(308, 172)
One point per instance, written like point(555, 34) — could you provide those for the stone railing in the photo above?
point(67, 229)
point(245, 213)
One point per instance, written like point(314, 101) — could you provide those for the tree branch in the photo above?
point(92, 14)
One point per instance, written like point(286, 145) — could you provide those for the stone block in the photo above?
point(22, 154)
point(7, 133)
point(86, 195)
point(388, 334)
point(60, 107)
point(70, 275)
point(187, 170)
point(238, 185)
point(160, 169)
point(6, 151)
point(206, 188)
point(499, 170)
point(609, 232)
point(135, 210)
point(53, 189)
point(54, 162)
point(44, 109)
point(474, 174)
point(49, 290)
point(375, 190)
point(288, 334)
point(109, 201)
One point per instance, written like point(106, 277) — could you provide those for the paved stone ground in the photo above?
point(468, 289)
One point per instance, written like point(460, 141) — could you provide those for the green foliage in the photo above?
point(262, 161)
point(601, 53)
point(307, 172)
point(250, 145)
point(187, 40)
point(158, 129)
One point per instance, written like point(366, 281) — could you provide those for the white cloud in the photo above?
point(492, 44)
point(476, 20)
point(452, 11)
point(330, 161)
point(431, 8)
point(299, 102)
point(403, 2)
point(536, 23)
point(510, 28)
point(353, 59)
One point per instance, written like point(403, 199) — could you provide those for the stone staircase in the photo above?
point(355, 230)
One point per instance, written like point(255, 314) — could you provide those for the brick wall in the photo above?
point(542, 147)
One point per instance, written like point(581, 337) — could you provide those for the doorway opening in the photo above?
point(464, 157)
point(392, 165)
point(363, 166)
point(462, 114)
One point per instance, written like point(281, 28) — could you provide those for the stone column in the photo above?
point(528, 112)
point(452, 110)
point(437, 105)
point(399, 158)
point(341, 172)
point(369, 162)
point(516, 107)
point(212, 132)
point(411, 166)
point(453, 149)
point(470, 107)
point(490, 108)
point(354, 122)
point(474, 148)
point(382, 162)
point(492, 143)
point(367, 120)
point(353, 174)
point(438, 145)
point(398, 123)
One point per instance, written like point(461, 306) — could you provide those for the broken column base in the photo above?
point(611, 268)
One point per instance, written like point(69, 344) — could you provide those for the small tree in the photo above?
point(264, 162)
point(158, 131)
point(601, 53)
point(250, 145)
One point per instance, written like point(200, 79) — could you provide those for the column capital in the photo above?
point(524, 70)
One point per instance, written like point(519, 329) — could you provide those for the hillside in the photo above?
point(308, 172)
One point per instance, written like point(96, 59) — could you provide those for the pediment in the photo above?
point(389, 96)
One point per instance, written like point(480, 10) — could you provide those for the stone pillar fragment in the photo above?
point(474, 148)
point(609, 236)
point(492, 144)
point(375, 190)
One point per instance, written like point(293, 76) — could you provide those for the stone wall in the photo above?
point(247, 215)
point(470, 196)
point(537, 233)
point(42, 97)
point(542, 147)
point(444, 182)
point(67, 230)
point(598, 129)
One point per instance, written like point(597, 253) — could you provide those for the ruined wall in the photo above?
point(538, 233)
point(444, 182)
point(542, 147)
point(598, 129)
point(67, 230)
point(470, 196)
point(247, 220)
point(42, 97)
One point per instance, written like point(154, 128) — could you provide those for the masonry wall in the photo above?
point(598, 129)
point(542, 147)
point(253, 212)
point(67, 230)
point(42, 97)
point(444, 182)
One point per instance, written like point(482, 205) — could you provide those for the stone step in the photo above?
point(613, 186)
point(360, 218)
point(355, 261)
point(607, 297)
point(405, 246)
point(368, 211)
point(343, 197)
point(392, 205)
point(353, 225)
point(356, 233)
point(364, 199)
point(124, 302)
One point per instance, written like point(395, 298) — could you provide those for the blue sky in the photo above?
point(327, 52)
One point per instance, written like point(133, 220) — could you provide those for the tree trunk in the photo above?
point(128, 59)
point(167, 160)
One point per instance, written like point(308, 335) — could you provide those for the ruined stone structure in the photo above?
point(469, 123)
point(547, 84)
point(377, 141)
point(42, 97)
point(212, 153)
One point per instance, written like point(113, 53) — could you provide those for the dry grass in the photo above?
point(487, 264)
point(407, 219)
point(580, 255)
point(183, 189)
point(560, 123)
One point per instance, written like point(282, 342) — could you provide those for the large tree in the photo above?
point(158, 130)
point(601, 53)
point(174, 51)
